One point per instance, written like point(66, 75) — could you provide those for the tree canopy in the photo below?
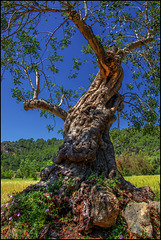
point(33, 55)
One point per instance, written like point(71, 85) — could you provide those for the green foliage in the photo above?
point(119, 230)
point(155, 162)
point(131, 140)
point(138, 164)
point(27, 157)
point(31, 210)
point(54, 187)
point(26, 47)
point(57, 184)
point(36, 208)
point(71, 187)
point(7, 174)
point(100, 179)
point(137, 151)
point(27, 213)
point(25, 167)
point(112, 183)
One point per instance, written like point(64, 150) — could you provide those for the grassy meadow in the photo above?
point(17, 185)
point(9, 186)
point(153, 181)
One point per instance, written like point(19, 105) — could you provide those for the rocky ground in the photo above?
point(69, 230)
point(96, 208)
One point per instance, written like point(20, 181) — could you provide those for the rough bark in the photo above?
point(87, 148)
point(86, 129)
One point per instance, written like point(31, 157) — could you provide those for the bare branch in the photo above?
point(75, 2)
point(18, 29)
point(37, 84)
point(141, 101)
point(66, 4)
point(138, 108)
point(42, 61)
point(94, 22)
point(86, 11)
point(25, 70)
point(135, 107)
point(61, 101)
point(47, 10)
point(46, 83)
point(42, 104)
point(56, 30)
point(147, 18)
point(9, 22)
point(139, 43)
point(29, 80)
point(67, 101)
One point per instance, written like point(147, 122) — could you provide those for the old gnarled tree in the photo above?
point(128, 34)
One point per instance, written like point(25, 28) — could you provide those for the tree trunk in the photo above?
point(86, 128)
point(87, 148)
point(87, 153)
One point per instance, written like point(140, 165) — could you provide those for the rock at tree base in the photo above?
point(155, 205)
point(137, 217)
point(93, 204)
point(143, 194)
point(105, 206)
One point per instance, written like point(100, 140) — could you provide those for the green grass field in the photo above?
point(153, 181)
point(9, 186)
point(17, 185)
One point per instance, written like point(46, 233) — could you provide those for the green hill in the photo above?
point(137, 152)
point(133, 140)
point(39, 151)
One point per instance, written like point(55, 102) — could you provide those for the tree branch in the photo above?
point(29, 79)
point(42, 104)
point(56, 30)
point(61, 101)
point(37, 84)
point(141, 102)
point(87, 32)
point(18, 29)
point(139, 43)
point(9, 23)
point(86, 11)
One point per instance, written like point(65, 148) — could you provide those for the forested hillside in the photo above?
point(132, 140)
point(137, 152)
point(28, 156)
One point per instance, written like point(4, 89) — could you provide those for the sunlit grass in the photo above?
point(9, 186)
point(17, 185)
point(153, 181)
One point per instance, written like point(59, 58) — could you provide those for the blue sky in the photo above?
point(17, 123)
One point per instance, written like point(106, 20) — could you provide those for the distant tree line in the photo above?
point(27, 157)
point(137, 153)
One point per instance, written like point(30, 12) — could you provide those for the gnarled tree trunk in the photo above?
point(87, 149)
point(86, 128)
